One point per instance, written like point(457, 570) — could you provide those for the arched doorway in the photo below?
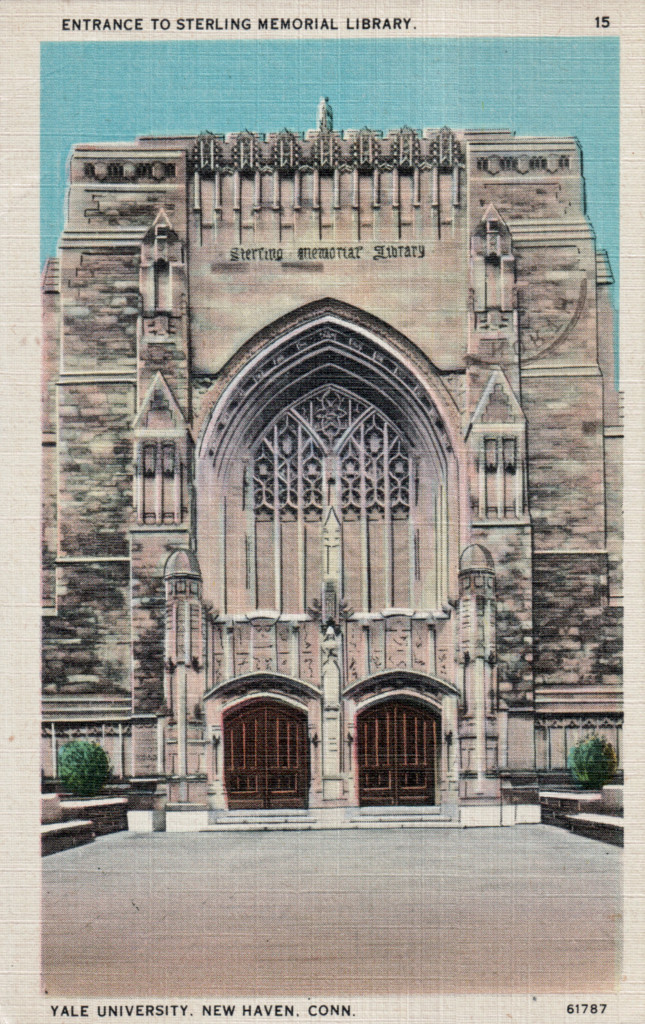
point(397, 752)
point(266, 756)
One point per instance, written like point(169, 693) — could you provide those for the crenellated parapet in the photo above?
point(365, 149)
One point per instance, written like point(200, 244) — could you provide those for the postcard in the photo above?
point(322, 566)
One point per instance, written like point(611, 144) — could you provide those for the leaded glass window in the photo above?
point(331, 428)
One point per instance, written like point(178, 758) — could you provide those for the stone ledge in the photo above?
point(65, 826)
point(92, 803)
point(605, 828)
point(63, 835)
point(581, 813)
point(107, 815)
point(580, 797)
point(600, 819)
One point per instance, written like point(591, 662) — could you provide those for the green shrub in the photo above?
point(592, 762)
point(83, 767)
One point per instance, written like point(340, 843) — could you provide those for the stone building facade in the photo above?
point(332, 505)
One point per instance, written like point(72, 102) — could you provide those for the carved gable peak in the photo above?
point(159, 410)
point(491, 223)
point(498, 404)
point(162, 219)
point(491, 216)
point(161, 230)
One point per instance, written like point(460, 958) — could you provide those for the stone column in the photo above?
point(161, 744)
point(182, 738)
point(477, 642)
point(449, 783)
point(479, 711)
point(215, 794)
point(183, 593)
point(331, 649)
point(160, 800)
point(331, 718)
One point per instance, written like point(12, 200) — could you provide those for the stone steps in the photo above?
point(310, 821)
point(403, 823)
point(399, 811)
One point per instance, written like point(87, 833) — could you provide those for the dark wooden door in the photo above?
point(397, 744)
point(266, 756)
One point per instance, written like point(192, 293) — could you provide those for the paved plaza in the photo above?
point(530, 908)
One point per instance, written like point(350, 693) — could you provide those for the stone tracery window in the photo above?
point(331, 428)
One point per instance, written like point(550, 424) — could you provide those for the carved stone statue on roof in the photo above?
point(325, 117)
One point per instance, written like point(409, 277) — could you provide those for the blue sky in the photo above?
point(535, 86)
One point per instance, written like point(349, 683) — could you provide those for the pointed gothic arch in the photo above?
point(326, 414)
point(388, 355)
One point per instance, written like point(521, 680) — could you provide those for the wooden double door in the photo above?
point(397, 753)
point(266, 756)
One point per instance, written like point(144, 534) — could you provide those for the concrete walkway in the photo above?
point(530, 908)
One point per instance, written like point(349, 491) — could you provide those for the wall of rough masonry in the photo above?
point(608, 664)
point(524, 192)
point(548, 197)
point(86, 647)
point(605, 317)
point(566, 471)
point(48, 525)
point(95, 204)
point(510, 547)
point(556, 287)
point(573, 625)
point(100, 311)
point(614, 511)
point(95, 467)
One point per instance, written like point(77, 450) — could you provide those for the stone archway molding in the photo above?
point(403, 693)
point(269, 685)
point(384, 685)
point(275, 352)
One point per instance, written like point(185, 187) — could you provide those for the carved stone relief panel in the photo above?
point(355, 652)
point(242, 655)
point(397, 642)
point(283, 653)
point(419, 646)
point(263, 659)
point(377, 654)
point(310, 652)
point(444, 653)
point(217, 655)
